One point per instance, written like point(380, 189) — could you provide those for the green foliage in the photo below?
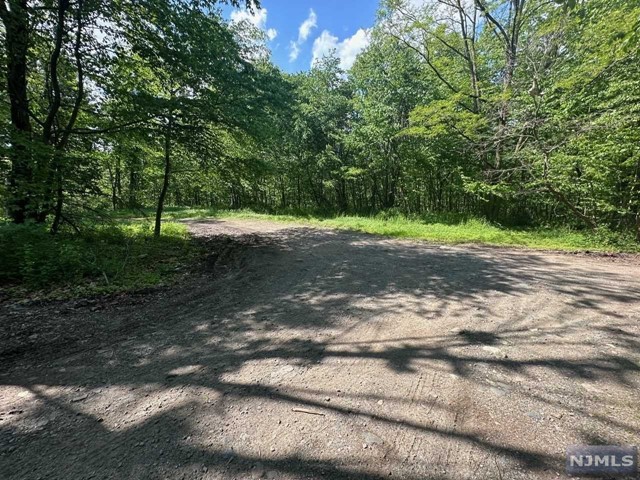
point(32, 255)
point(104, 258)
point(522, 114)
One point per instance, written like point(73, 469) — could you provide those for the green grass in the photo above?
point(102, 259)
point(124, 255)
point(441, 229)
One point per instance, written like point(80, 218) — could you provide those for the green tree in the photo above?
point(52, 49)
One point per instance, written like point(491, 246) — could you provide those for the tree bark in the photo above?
point(58, 164)
point(509, 34)
point(16, 23)
point(167, 176)
point(57, 217)
point(469, 51)
point(56, 95)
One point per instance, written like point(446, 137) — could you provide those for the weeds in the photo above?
point(102, 259)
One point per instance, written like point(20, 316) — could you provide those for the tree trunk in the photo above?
point(469, 50)
point(561, 197)
point(57, 217)
point(117, 188)
point(167, 175)
point(16, 23)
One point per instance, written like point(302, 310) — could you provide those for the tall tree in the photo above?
point(66, 36)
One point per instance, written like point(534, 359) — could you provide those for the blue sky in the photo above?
point(301, 30)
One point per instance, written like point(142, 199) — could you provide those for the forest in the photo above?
point(233, 249)
point(524, 114)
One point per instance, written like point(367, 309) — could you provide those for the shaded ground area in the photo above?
point(302, 353)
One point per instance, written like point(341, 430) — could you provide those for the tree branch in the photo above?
point(53, 72)
point(493, 21)
point(80, 85)
point(113, 128)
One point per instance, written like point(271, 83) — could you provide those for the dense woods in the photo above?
point(524, 112)
point(419, 258)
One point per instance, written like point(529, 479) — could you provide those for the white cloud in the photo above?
point(294, 51)
point(323, 46)
point(351, 47)
point(258, 19)
point(346, 50)
point(305, 28)
point(304, 31)
point(272, 33)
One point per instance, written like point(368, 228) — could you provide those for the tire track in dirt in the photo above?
point(416, 361)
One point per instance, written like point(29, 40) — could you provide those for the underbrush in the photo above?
point(100, 259)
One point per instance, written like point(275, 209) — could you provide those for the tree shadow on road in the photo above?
point(303, 298)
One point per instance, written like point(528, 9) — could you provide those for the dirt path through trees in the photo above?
point(306, 353)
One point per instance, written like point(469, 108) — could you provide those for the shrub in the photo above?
point(102, 258)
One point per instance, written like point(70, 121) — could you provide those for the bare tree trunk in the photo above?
point(16, 22)
point(167, 176)
point(509, 34)
point(468, 36)
point(57, 217)
point(58, 165)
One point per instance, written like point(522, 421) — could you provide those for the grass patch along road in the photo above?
point(439, 229)
point(121, 256)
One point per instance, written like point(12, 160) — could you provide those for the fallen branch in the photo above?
point(304, 410)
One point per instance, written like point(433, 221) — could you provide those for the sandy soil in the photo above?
point(300, 354)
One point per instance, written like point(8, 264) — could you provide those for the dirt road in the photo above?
point(304, 354)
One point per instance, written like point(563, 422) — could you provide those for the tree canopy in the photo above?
point(521, 111)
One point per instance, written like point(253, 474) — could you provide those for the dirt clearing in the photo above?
point(302, 353)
